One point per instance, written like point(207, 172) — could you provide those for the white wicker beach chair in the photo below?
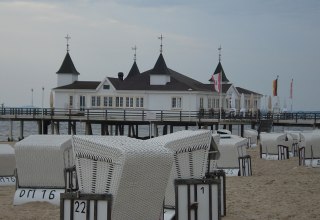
point(231, 148)
point(190, 150)
point(252, 136)
point(7, 160)
point(135, 172)
point(41, 160)
point(269, 144)
point(311, 146)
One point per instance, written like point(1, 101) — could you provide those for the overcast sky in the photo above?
point(260, 39)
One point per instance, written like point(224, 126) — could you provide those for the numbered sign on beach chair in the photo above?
point(220, 175)
point(41, 161)
point(78, 206)
point(198, 199)
point(133, 171)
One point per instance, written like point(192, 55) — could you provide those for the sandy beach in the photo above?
point(277, 190)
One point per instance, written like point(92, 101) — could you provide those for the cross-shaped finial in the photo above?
point(68, 38)
point(161, 38)
point(135, 53)
point(220, 48)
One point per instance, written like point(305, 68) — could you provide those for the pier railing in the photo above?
point(151, 115)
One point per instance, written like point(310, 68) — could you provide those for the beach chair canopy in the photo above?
point(41, 160)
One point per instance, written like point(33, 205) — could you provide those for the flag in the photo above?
point(275, 87)
point(216, 78)
point(291, 89)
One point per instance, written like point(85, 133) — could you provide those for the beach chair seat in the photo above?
point(134, 172)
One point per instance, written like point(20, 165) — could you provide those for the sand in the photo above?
point(277, 190)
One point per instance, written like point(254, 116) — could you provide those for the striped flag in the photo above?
point(291, 89)
point(216, 78)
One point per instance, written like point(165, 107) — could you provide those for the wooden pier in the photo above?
point(114, 121)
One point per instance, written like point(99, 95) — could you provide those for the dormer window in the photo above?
point(106, 86)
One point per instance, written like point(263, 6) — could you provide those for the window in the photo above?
point(71, 101)
point(201, 102)
point(129, 102)
point(210, 104)
point(176, 102)
point(139, 102)
point(98, 100)
point(93, 101)
point(106, 86)
point(119, 102)
point(107, 101)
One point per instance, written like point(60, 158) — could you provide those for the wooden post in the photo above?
point(52, 127)
point(40, 127)
point(69, 127)
point(242, 130)
point(10, 138)
point(21, 130)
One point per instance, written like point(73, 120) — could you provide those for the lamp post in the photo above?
point(31, 97)
point(189, 102)
point(42, 96)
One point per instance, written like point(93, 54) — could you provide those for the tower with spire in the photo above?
point(67, 73)
point(160, 74)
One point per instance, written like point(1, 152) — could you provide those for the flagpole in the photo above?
point(220, 85)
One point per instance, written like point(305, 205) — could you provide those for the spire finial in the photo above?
point(135, 53)
point(220, 48)
point(161, 38)
point(68, 38)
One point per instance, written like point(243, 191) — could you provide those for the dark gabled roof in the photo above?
point(134, 71)
point(246, 91)
point(67, 66)
point(218, 70)
point(160, 67)
point(81, 85)
point(178, 82)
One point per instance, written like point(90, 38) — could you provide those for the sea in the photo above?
point(31, 128)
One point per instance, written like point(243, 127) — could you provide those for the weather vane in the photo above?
point(220, 48)
point(135, 53)
point(68, 38)
point(161, 38)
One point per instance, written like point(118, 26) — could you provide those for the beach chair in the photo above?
point(269, 145)
point(134, 172)
point(190, 150)
point(7, 165)
point(41, 161)
point(234, 159)
point(310, 149)
point(252, 136)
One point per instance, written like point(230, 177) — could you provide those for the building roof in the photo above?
point(81, 85)
point(160, 67)
point(67, 66)
point(246, 91)
point(219, 69)
point(178, 82)
point(134, 71)
point(141, 81)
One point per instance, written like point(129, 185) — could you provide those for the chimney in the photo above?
point(120, 76)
